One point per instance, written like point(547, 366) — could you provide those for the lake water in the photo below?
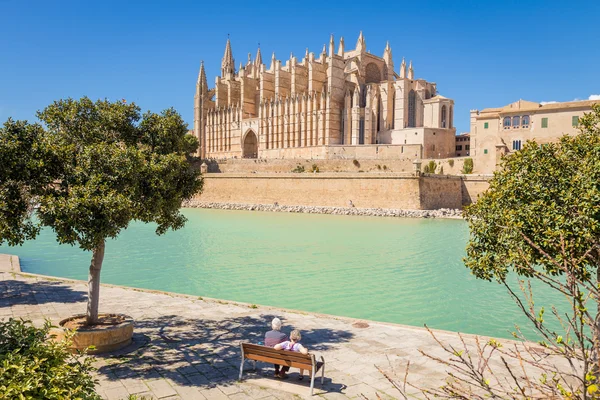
point(406, 271)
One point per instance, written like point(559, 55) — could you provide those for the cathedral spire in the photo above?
point(403, 68)
point(202, 84)
point(273, 62)
point(411, 72)
point(360, 43)
point(387, 57)
point(258, 60)
point(227, 64)
point(331, 46)
point(341, 48)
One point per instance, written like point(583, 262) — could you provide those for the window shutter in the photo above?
point(485, 125)
point(544, 122)
point(575, 121)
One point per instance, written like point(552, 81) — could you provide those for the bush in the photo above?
point(451, 162)
point(356, 163)
point(430, 167)
point(32, 366)
point(378, 166)
point(467, 166)
point(441, 171)
point(315, 168)
point(385, 167)
point(299, 169)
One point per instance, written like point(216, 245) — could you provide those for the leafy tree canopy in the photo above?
point(542, 209)
point(115, 166)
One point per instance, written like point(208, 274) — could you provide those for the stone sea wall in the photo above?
point(370, 212)
point(377, 191)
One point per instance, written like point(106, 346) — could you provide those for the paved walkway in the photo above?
point(188, 348)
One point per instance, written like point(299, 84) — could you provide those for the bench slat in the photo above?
point(292, 364)
point(255, 347)
point(280, 354)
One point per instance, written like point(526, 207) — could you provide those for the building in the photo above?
point(499, 131)
point(463, 145)
point(318, 105)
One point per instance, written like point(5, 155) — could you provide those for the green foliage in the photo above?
point(299, 169)
point(467, 166)
point(385, 167)
point(315, 168)
point(356, 163)
point(543, 204)
point(378, 167)
point(33, 367)
point(28, 167)
point(451, 162)
point(441, 171)
point(430, 167)
point(116, 167)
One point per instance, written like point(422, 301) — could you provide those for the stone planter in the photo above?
point(105, 338)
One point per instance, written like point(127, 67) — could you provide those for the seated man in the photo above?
point(275, 336)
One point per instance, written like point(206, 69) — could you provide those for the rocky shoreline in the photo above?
point(369, 212)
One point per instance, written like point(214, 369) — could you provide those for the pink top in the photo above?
point(287, 345)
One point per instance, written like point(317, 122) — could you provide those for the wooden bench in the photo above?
point(292, 359)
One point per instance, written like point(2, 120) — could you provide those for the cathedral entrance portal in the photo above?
point(250, 149)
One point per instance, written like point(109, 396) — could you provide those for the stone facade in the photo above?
point(343, 98)
point(463, 145)
point(499, 131)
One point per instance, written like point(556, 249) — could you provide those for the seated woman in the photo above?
point(292, 345)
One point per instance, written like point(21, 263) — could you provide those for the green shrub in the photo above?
point(34, 367)
point(356, 163)
point(467, 166)
point(385, 167)
point(441, 171)
point(299, 169)
point(451, 162)
point(315, 168)
point(430, 167)
point(378, 166)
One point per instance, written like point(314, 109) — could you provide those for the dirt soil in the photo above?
point(105, 321)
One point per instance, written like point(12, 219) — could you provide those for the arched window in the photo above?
point(525, 121)
point(506, 123)
point(412, 109)
point(516, 122)
point(443, 116)
point(450, 117)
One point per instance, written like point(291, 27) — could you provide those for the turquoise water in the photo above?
point(406, 271)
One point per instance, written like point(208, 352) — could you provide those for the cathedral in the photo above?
point(318, 106)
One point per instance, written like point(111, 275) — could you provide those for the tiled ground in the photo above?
point(188, 348)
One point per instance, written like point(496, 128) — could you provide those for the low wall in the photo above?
point(400, 191)
point(244, 166)
point(473, 186)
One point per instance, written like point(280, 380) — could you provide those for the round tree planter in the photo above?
point(105, 337)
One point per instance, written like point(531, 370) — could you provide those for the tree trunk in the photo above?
point(94, 284)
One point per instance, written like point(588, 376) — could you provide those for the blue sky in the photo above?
point(481, 54)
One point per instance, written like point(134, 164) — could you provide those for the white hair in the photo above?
point(276, 324)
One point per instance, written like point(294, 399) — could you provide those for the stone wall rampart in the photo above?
point(384, 190)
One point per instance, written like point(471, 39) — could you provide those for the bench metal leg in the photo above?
point(242, 367)
point(312, 381)
point(322, 374)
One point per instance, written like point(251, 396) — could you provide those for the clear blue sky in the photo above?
point(480, 53)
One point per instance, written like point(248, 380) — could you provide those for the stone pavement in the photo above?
point(188, 347)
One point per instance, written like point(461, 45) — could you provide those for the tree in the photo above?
point(540, 220)
point(110, 166)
